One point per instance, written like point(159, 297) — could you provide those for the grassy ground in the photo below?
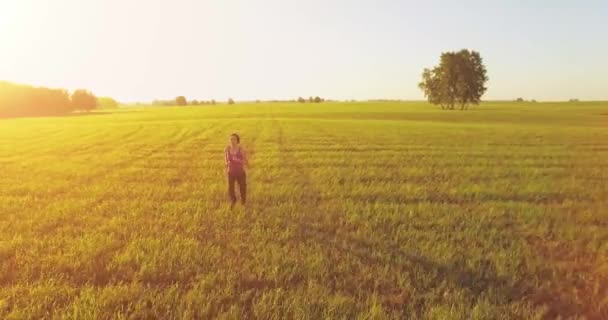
point(369, 211)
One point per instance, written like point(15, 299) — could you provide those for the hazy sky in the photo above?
point(137, 50)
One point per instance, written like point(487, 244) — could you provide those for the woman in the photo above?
point(235, 167)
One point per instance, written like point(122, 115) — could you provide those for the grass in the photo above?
point(356, 211)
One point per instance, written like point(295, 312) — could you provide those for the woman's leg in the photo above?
point(243, 187)
point(231, 193)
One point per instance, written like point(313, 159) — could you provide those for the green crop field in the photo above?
point(356, 211)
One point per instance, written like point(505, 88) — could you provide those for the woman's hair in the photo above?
point(238, 139)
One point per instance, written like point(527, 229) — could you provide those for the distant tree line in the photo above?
point(316, 99)
point(182, 101)
point(522, 100)
point(166, 103)
point(202, 102)
point(25, 100)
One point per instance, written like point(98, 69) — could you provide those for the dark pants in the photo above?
point(242, 181)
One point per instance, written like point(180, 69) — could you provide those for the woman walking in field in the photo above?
point(235, 167)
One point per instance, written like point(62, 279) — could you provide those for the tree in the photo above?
point(84, 100)
point(213, 102)
point(181, 101)
point(230, 101)
point(310, 99)
point(318, 99)
point(107, 103)
point(23, 100)
point(301, 100)
point(194, 102)
point(458, 81)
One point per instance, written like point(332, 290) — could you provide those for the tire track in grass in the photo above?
point(305, 205)
point(243, 235)
point(230, 231)
point(321, 225)
point(217, 227)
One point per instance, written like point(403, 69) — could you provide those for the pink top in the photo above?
point(235, 162)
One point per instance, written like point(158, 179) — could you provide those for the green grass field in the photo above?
point(357, 211)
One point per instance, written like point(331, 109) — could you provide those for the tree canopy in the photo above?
point(457, 82)
point(25, 100)
point(181, 101)
point(84, 100)
point(18, 100)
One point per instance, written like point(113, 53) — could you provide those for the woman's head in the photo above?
point(235, 139)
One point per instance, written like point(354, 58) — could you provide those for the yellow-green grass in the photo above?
point(356, 211)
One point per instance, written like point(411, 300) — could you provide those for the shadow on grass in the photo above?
point(480, 281)
point(439, 278)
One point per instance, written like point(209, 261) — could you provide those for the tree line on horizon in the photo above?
point(456, 83)
point(181, 101)
point(316, 99)
point(17, 100)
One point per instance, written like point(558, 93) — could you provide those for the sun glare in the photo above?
point(9, 18)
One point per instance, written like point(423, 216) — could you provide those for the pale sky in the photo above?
point(135, 50)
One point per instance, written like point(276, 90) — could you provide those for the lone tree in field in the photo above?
point(457, 82)
point(181, 101)
point(83, 100)
point(230, 101)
